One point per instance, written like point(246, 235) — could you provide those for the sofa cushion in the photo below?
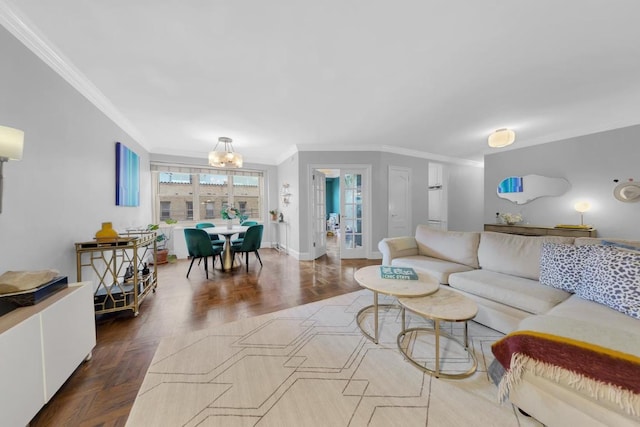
point(611, 277)
point(518, 292)
point(454, 246)
point(577, 308)
point(514, 254)
point(437, 268)
point(561, 265)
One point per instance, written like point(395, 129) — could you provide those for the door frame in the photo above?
point(367, 226)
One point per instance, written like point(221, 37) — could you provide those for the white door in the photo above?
point(319, 216)
point(352, 213)
point(399, 219)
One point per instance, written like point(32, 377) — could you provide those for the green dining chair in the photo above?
point(241, 235)
point(251, 243)
point(199, 247)
point(215, 239)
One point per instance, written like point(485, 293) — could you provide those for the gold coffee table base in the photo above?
point(437, 333)
point(375, 307)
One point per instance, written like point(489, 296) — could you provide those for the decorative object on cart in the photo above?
point(510, 218)
point(162, 256)
point(501, 138)
point(227, 158)
point(628, 192)
point(274, 214)
point(229, 213)
point(127, 176)
point(281, 217)
point(285, 194)
point(11, 144)
point(106, 233)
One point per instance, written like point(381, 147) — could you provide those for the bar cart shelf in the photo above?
point(117, 267)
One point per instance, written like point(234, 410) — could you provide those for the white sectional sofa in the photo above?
point(501, 273)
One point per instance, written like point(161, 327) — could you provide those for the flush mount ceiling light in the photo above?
point(227, 158)
point(501, 138)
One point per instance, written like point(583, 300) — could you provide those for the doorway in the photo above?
point(344, 214)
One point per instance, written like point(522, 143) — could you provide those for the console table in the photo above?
point(533, 230)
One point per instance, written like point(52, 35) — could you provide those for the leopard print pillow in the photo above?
point(612, 277)
point(561, 265)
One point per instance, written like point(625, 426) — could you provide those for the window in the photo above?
point(209, 210)
point(189, 210)
point(165, 210)
point(199, 193)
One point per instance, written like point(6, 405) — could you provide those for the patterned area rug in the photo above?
point(311, 366)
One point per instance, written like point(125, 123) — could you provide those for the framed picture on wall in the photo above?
point(127, 176)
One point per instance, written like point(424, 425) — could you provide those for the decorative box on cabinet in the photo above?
point(532, 230)
point(108, 262)
point(40, 347)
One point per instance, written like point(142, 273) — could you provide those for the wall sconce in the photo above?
point(582, 207)
point(501, 138)
point(11, 143)
point(285, 194)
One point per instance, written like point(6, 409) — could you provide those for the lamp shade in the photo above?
point(582, 207)
point(11, 143)
point(501, 138)
point(227, 158)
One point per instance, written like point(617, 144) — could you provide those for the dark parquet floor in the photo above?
point(102, 390)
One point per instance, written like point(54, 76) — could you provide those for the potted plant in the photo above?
point(274, 214)
point(162, 239)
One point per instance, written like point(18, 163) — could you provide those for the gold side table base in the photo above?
point(437, 333)
point(375, 307)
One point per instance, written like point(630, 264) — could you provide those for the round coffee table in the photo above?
point(370, 278)
point(444, 305)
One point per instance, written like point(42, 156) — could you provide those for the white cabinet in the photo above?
point(40, 347)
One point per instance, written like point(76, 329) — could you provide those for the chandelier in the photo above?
point(227, 158)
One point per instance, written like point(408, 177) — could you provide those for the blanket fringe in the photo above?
point(625, 399)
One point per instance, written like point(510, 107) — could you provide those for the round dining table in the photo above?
point(227, 258)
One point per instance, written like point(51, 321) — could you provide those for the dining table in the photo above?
point(227, 257)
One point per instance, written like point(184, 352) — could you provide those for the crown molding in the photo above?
point(28, 34)
point(393, 150)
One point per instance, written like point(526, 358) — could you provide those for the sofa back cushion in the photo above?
point(514, 254)
point(626, 244)
point(454, 246)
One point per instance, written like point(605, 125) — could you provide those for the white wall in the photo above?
point(64, 186)
point(590, 163)
point(465, 197)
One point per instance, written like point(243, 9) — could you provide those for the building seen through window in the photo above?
point(199, 196)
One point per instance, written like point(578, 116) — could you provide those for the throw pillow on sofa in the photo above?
point(612, 277)
point(561, 265)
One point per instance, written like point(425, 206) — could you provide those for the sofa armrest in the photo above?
point(395, 247)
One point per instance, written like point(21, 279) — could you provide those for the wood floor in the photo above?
point(102, 390)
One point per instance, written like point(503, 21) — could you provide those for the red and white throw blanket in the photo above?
point(603, 373)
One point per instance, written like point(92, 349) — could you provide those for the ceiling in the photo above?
point(420, 77)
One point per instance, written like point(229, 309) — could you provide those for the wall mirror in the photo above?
point(627, 192)
point(523, 189)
